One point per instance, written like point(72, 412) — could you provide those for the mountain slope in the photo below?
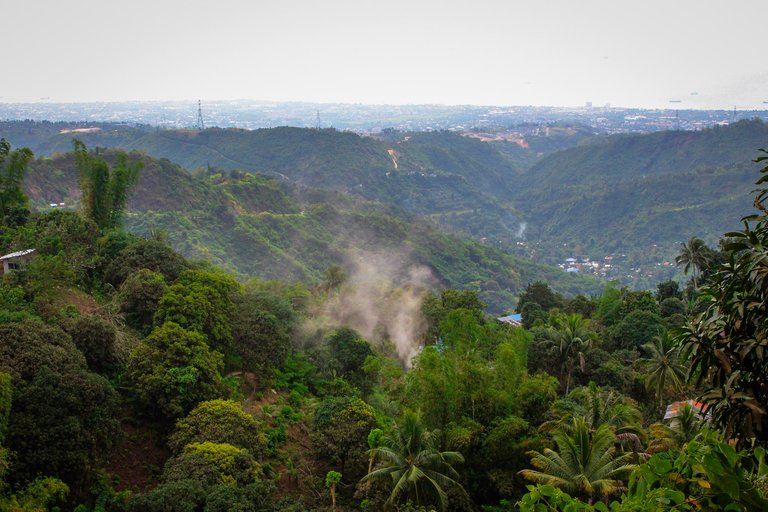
point(258, 226)
point(630, 193)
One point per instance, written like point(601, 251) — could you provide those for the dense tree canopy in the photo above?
point(173, 370)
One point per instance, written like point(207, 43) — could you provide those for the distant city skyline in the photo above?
point(697, 54)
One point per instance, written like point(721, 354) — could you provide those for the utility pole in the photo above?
point(200, 122)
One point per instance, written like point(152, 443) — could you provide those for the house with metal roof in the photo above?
point(515, 319)
point(16, 260)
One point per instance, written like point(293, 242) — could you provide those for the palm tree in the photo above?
point(682, 428)
point(415, 468)
point(585, 464)
point(694, 255)
point(571, 335)
point(665, 365)
point(599, 407)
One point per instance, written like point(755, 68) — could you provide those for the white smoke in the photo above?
point(382, 300)
point(521, 230)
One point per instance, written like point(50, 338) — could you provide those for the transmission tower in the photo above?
point(200, 122)
point(318, 119)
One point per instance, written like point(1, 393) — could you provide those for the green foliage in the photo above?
point(95, 338)
point(190, 496)
point(105, 192)
point(297, 373)
point(213, 463)
point(64, 243)
point(585, 464)
point(569, 336)
point(14, 306)
point(597, 407)
point(668, 290)
point(685, 426)
point(173, 370)
point(62, 423)
point(727, 339)
point(535, 396)
point(637, 329)
point(414, 468)
point(375, 437)
point(6, 394)
point(62, 420)
point(504, 453)
point(348, 353)
point(42, 494)
point(262, 323)
point(139, 298)
point(540, 293)
point(665, 365)
point(694, 255)
point(153, 255)
point(710, 474)
point(621, 194)
point(201, 302)
point(341, 427)
point(14, 204)
point(332, 478)
point(218, 421)
point(671, 306)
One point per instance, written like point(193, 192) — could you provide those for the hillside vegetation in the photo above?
point(641, 195)
point(570, 194)
point(255, 225)
point(133, 379)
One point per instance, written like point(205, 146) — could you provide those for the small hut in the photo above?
point(16, 260)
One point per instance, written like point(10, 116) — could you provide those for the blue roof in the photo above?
point(517, 317)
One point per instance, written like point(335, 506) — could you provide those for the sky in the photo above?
point(703, 53)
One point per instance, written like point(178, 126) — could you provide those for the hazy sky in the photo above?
point(705, 53)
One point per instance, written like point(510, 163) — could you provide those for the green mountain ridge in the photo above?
point(255, 225)
point(571, 194)
point(642, 194)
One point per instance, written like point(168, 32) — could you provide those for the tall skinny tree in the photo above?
point(694, 255)
point(571, 336)
point(13, 201)
point(105, 190)
point(666, 366)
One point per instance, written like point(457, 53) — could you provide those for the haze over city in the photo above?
point(485, 53)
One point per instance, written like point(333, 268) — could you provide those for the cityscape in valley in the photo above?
point(397, 256)
point(505, 122)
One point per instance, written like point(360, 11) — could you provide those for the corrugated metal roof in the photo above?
point(515, 319)
point(16, 254)
point(674, 408)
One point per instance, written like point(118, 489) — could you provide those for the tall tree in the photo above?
point(416, 469)
point(666, 368)
point(681, 429)
point(598, 407)
point(13, 202)
point(572, 336)
point(105, 191)
point(694, 255)
point(585, 463)
point(728, 339)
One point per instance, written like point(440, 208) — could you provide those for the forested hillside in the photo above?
point(632, 198)
point(133, 379)
point(627, 192)
point(259, 226)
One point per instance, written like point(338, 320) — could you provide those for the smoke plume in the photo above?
point(382, 300)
